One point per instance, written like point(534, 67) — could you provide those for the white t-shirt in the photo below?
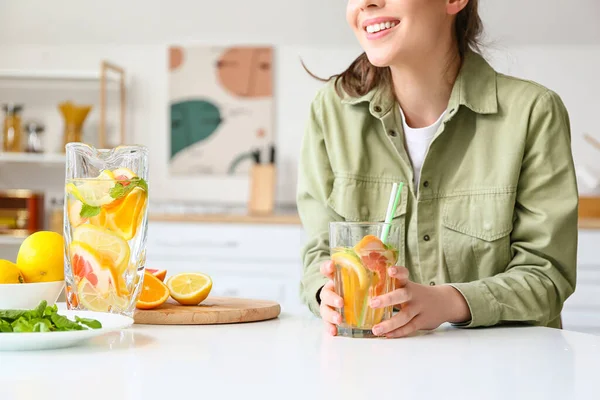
point(417, 142)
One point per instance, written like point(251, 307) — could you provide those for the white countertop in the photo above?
point(292, 358)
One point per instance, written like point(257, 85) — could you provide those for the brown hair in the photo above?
point(362, 76)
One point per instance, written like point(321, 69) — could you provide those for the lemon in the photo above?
point(93, 192)
point(189, 289)
point(112, 249)
point(9, 273)
point(350, 262)
point(41, 257)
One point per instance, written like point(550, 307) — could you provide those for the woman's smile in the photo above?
point(376, 28)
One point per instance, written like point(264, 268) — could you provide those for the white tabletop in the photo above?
point(292, 358)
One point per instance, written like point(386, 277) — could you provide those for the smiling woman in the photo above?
point(488, 219)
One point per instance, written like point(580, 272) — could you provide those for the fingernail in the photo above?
point(339, 303)
point(375, 303)
point(338, 319)
point(393, 271)
point(332, 331)
point(376, 330)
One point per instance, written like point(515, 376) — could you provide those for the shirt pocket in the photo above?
point(476, 235)
point(358, 199)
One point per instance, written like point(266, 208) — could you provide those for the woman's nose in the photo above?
point(364, 4)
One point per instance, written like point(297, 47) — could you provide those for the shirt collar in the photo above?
point(475, 88)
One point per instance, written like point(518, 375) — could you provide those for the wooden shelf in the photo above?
point(33, 158)
point(52, 75)
point(281, 219)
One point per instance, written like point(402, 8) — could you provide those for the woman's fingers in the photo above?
point(329, 297)
point(398, 296)
point(328, 269)
point(408, 329)
point(400, 274)
point(328, 314)
point(401, 319)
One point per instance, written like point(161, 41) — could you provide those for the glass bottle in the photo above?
point(12, 131)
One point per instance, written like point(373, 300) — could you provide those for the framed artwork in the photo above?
point(221, 109)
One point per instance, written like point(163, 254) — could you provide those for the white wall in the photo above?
point(77, 35)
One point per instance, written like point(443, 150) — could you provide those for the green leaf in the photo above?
point(92, 323)
point(12, 315)
point(38, 312)
point(5, 326)
point(63, 323)
point(22, 325)
point(88, 211)
point(122, 188)
point(42, 326)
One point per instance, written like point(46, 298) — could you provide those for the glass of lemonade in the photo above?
point(105, 227)
point(361, 262)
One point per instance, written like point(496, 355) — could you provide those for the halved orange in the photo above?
point(125, 215)
point(189, 289)
point(154, 293)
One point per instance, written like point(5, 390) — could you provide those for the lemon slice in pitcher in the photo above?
point(93, 192)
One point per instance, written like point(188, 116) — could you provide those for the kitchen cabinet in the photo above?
point(263, 261)
point(259, 261)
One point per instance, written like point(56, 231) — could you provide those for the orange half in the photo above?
point(154, 293)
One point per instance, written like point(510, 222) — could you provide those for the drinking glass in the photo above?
point(361, 262)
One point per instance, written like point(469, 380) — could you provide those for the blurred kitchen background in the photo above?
point(142, 71)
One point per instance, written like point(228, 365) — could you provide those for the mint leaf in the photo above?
point(5, 326)
point(22, 325)
point(122, 188)
point(38, 312)
point(63, 323)
point(12, 315)
point(50, 310)
point(117, 191)
point(92, 323)
point(41, 326)
point(88, 211)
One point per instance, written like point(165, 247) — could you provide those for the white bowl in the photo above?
point(29, 295)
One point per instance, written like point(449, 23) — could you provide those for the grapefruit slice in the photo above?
point(159, 273)
point(124, 174)
point(110, 247)
point(87, 264)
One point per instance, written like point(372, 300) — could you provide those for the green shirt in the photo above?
point(496, 211)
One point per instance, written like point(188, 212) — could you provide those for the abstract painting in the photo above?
point(221, 108)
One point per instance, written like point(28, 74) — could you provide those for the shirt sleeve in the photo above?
point(542, 273)
point(315, 182)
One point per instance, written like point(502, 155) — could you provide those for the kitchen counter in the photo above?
point(292, 358)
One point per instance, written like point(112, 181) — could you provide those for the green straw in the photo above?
point(392, 206)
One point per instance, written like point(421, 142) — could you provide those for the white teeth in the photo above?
point(381, 26)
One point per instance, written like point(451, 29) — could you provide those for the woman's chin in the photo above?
point(379, 60)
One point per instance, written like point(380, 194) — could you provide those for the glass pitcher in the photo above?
point(105, 227)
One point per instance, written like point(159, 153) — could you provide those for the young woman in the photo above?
point(489, 209)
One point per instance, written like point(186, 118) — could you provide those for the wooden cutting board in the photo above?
point(213, 310)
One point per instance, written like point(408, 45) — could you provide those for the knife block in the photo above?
point(262, 189)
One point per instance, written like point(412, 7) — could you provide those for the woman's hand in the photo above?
point(421, 307)
point(330, 300)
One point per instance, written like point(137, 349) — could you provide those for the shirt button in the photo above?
point(393, 133)
point(432, 283)
point(426, 183)
point(377, 109)
point(426, 238)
